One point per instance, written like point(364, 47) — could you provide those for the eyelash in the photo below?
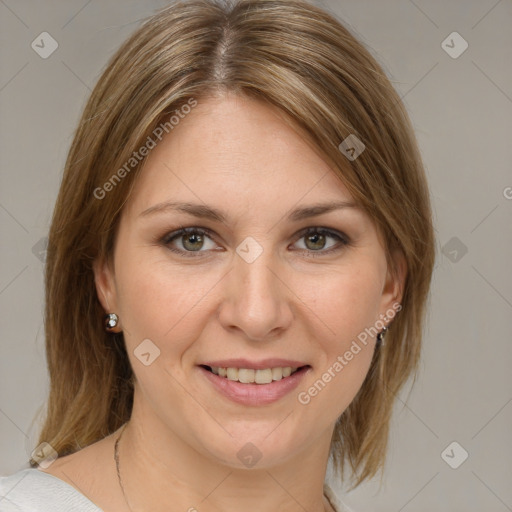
point(339, 236)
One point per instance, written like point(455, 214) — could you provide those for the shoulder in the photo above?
point(32, 490)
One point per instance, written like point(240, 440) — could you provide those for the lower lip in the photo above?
point(255, 394)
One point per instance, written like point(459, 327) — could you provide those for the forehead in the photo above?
point(237, 150)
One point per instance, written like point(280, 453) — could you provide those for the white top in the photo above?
point(31, 490)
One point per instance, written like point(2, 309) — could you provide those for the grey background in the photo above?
point(462, 112)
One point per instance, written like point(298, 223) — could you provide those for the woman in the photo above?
point(237, 270)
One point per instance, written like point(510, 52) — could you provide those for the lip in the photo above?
point(255, 394)
point(254, 365)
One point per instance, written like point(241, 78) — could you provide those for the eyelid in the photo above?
point(182, 230)
point(325, 231)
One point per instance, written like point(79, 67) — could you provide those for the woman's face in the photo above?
point(279, 282)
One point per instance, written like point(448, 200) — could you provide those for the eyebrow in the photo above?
point(204, 211)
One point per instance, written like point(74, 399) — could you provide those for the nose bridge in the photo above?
point(256, 281)
point(256, 276)
point(257, 302)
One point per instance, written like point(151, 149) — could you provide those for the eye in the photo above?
point(193, 241)
point(316, 240)
point(189, 241)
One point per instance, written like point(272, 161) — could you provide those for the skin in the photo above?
point(294, 301)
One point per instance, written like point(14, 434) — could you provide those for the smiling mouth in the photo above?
point(250, 376)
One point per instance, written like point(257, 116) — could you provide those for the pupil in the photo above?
point(191, 238)
point(318, 239)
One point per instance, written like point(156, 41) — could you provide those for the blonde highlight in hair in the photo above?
point(302, 61)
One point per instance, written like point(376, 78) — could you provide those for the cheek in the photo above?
point(348, 304)
point(348, 301)
point(160, 303)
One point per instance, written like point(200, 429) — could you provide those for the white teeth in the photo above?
point(232, 373)
point(246, 376)
point(277, 373)
point(249, 376)
point(263, 376)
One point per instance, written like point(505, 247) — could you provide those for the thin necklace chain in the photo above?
point(116, 458)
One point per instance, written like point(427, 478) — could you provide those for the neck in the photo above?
point(176, 473)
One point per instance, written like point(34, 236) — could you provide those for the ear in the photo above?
point(395, 281)
point(105, 285)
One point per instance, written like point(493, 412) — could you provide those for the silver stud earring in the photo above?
point(381, 336)
point(111, 320)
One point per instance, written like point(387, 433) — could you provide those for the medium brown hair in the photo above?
point(299, 59)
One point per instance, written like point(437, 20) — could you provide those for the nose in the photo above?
point(256, 302)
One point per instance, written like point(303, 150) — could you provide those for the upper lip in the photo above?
point(254, 365)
